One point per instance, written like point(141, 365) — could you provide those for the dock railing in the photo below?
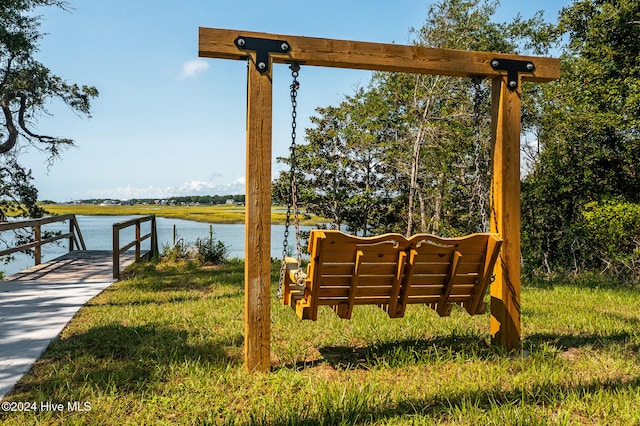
point(74, 235)
point(137, 241)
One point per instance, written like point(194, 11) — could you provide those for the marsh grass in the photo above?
point(164, 346)
point(210, 214)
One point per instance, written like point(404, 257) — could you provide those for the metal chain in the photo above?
point(293, 196)
point(479, 192)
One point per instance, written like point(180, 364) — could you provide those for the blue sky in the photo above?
point(167, 123)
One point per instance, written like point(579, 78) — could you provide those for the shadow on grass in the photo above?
point(130, 358)
point(395, 354)
point(357, 407)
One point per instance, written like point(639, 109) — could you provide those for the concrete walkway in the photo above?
point(35, 305)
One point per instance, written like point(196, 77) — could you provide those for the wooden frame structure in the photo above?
point(506, 73)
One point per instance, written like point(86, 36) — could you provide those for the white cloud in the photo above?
point(193, 67)
point(195, 187)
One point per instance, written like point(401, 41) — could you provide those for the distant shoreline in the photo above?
point(227, 214)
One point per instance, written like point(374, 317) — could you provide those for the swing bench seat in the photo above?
point(391, 271)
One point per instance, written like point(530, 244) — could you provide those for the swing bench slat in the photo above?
point(391, 271)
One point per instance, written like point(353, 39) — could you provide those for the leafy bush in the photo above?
point(613, 233)
point(211, 251)
point(204, 251)
point(175, 253)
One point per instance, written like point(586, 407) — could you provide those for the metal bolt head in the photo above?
point(495, 63)
point(284, 47)
point(530, 66)
point(513, 84)
point(241, 42)
point(262, 65)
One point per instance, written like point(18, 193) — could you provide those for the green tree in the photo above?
point(341, 168)
point(410, 153)
point(588, 131)
point(444, 144)
point(26, 86)
point(614, 237)
point(325, 182)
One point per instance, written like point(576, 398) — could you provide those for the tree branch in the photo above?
point(23, 124)
point(12, 139)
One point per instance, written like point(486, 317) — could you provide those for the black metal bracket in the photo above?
point(513, 68)
point(263, 48)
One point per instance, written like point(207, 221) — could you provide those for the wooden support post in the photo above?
point(257, 272)
point(505, 215)
point(37, 250)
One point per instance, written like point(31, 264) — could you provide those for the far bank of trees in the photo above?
point(203, 200)
point(410, 153)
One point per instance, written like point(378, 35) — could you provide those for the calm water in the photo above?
point(97, 233)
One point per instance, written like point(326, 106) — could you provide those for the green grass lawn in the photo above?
point(164, 346)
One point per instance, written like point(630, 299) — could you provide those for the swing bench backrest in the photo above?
point(391, 271)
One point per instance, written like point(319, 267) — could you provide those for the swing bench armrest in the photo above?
point(291, 287)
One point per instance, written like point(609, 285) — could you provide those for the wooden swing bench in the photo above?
point(391, 271)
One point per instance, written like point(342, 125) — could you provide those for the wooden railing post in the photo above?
point(116, 251)
point(72, 232)
point(77, 235)
point(138, 240)
point(175, 236)
point(154, 236)
point(37, 250)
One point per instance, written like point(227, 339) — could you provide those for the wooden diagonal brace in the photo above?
point(444, 307)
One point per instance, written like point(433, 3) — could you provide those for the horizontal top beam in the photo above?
point(219, 43)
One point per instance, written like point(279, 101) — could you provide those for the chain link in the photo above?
point(293, 196)
point(479, 193)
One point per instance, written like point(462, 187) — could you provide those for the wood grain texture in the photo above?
point(505, 215)
point(219, 43)
point(257, 273)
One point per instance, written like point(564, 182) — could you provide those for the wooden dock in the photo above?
point(36, 305)
point(76, 266)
